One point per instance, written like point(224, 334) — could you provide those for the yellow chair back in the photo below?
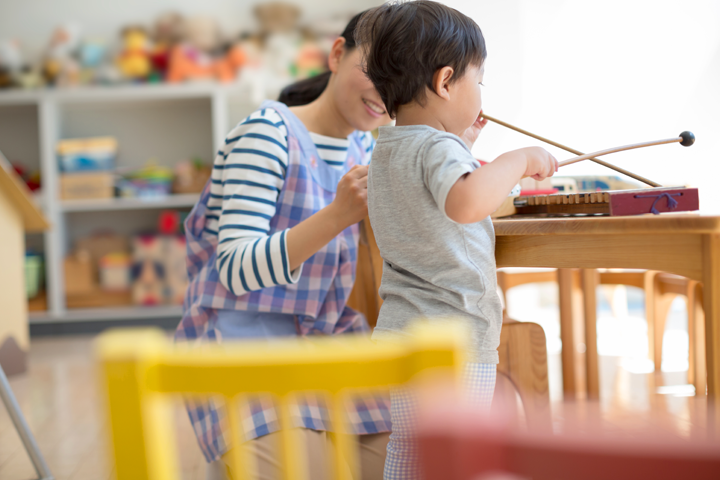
point(141, 367)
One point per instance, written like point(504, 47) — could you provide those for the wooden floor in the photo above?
point(62, 403)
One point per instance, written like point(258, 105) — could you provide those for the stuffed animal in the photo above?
point(168, 32)
point(60, 66)
point(10, 63)
point(134, 59)
point(202, 55)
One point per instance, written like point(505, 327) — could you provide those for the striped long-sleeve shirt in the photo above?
point(248, 176)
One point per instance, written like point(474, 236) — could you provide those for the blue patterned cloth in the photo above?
point(316, 301)
point(402, 461)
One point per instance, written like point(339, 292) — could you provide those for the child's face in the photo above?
point(356, 96)
point(466, 99)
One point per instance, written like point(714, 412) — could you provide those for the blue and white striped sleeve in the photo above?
point(248, 176)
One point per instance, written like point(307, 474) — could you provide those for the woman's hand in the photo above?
point(473, 132)
point(350, 204)
point(348, 208)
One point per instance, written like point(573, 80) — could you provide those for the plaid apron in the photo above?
point(317, 300)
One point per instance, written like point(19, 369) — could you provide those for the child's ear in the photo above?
point(336, 53)
point(441, 82)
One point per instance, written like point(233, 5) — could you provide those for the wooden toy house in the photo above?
point(18, 214)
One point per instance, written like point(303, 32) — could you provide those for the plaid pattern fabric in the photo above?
point(317, 300)
point(402, 463)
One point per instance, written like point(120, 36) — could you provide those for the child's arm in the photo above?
point(479, 193)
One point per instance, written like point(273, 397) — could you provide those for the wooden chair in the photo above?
point(666, 288)
point(523, 368)
point(141, 368)
point(522, 350)
point(660, 290)
point(458, 443)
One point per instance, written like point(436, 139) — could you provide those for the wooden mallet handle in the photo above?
point(572, 150)
point(685, 139)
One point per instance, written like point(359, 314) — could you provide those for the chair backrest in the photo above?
point(523, 363)
point(457, 443)
point(141, 367)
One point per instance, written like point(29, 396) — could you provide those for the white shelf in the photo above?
point(64, 112)
point(110, 313)
point(101, 205)
point(111, 93)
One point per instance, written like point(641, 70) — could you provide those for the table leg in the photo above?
point(711, 303)
point(571, 333)
point(590, 281)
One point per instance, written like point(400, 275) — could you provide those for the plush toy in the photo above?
point(271, 51)
point(134, 59)
point(60, 66)
point(168, 32)
point(10, 63)
point(202, 55)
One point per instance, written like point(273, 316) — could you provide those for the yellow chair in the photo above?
point(141, 367)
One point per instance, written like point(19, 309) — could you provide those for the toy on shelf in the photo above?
point(115, 272)
point(134, 59)
point(167, 33)
point(87, 154)
point(191, 176)
point(202, 55)
point(60, 66)
point(33, 273)
point(80, 278)
point(150, 182)
point(159, 272)
point(148, 273)
point(271, 52)
point(11, 63)
point(31, 179)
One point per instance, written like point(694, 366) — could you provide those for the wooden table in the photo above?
point(684, 244)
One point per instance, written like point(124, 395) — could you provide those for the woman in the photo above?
point(272, 248)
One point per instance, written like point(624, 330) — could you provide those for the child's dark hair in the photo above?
point(306, 91)
point(405, 43)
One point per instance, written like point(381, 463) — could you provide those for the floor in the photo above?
point(62, 403)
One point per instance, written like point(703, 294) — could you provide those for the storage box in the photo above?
point(86, 186)
point(87, 154)
point(79, 274)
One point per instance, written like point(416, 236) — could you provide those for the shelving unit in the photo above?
point(164, 122)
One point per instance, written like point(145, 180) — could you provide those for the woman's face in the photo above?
point(357, 100)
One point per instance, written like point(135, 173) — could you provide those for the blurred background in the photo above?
point(111, 112)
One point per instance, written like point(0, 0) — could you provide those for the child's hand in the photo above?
point(473, 132)
point(350, 202)
point(540, 164)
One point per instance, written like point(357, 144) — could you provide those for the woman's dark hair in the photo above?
point(308, 90)
point(404, 44)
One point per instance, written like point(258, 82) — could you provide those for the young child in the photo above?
point(428, 199)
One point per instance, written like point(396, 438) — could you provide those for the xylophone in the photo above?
point(653, 200)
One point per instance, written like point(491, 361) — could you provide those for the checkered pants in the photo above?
point(401, 463)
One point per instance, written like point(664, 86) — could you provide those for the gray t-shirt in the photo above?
point(434, 267)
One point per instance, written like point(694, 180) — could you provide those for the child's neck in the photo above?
point(415, 114)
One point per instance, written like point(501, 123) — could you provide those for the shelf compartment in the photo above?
point(111, 313)
point(187, 200)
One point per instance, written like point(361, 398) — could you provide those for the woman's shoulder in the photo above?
point(262, 124)
point(366, 140)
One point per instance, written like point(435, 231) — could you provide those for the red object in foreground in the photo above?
point(459, 443)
